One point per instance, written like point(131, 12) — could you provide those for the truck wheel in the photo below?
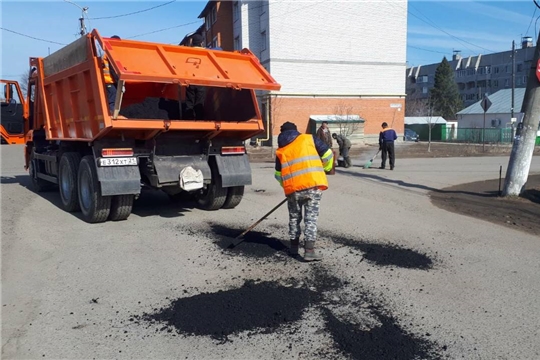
point(234, 196)
point(67, 181)
point(95, 208)
point(121, 206)
point(213, 197)
point(38, 185)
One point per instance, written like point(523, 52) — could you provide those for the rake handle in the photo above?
point(261, 219)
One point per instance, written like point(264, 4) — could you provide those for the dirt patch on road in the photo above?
point(481, 200)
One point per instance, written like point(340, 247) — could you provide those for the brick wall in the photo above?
point(223, 27)
point(374, 110)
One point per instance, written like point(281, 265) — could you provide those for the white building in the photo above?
point(329, 57)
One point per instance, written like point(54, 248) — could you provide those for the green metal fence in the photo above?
point(477, 135)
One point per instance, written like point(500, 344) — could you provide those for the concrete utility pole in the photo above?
point(513, 78)
point(523, 148)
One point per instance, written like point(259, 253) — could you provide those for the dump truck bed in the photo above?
point(76, 108)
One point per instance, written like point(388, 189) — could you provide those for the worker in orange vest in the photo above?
point(302, 162)
point(109, 81)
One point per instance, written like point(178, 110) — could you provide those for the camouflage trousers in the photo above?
point(308, 200)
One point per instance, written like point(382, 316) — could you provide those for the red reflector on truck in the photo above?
point(233, 150)
point(116, 152)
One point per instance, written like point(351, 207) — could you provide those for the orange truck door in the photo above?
point(13, 112)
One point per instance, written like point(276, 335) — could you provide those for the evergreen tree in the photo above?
point(444, 95)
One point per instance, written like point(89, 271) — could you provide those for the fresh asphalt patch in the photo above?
point(256, 244)
point(385, 254)
point(268, 307)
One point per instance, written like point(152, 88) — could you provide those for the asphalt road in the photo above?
point(74, 290)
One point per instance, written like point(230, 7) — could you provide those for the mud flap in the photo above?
point(234, 169)
point(119, 180)
point(168, 168)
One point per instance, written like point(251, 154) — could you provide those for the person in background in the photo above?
point(302, 161)
point(344, 147)
point(386, 143)
point(195, 95)
point(324, 134)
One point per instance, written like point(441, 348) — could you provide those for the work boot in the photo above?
point(348, 161)
point(295, 243)
point(310, 253)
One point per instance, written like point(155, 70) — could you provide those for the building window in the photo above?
point(496, 83)
point(214, 14)
point(496, 70)
point(237, 43)
point(236, 11)
point(519, 67)
point(507, 82)
point(263, 40)
point(215, 42)
point(424, 90)
point(518, 81)
point(207, 22)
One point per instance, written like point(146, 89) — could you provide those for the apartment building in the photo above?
point(475, 75)
point(333, 59)
point(218, 23)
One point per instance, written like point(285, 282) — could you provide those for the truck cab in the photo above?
point(13, 112)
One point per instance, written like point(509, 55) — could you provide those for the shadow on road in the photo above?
point(415, 186)
point(150, 203)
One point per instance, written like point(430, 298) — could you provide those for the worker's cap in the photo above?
point(116, 37)
point(288, 126)
point(196, 39)
point(334, 135)
point(384, 125)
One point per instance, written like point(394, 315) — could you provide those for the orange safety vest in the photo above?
point(107, 70)
point(301, 165)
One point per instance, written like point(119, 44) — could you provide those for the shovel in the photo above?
point(368, 164)
point(237, 240)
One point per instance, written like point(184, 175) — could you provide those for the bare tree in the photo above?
point(416, 107)
point(345, 119)
point(23, 81)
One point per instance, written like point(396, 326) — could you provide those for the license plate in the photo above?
point(126, 161)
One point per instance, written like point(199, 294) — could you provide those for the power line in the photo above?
point(530, 23)
point(165, 29)
point(133, 13)
point(430, 23)
point(433, 51)
point(31, 37)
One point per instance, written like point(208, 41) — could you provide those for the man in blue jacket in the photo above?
point(386, 143)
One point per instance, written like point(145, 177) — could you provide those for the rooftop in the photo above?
point(501, 102)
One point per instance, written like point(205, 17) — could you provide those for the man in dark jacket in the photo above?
point(301, 164)
point(195, 94)
point(344, 147)
point(324, 134)
point(386, 143)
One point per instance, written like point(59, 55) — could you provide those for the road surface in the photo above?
point(452, 285)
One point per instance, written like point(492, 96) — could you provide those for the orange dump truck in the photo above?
point(101, 156)
point(13, 112)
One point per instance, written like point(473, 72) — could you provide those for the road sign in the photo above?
point(486, 103)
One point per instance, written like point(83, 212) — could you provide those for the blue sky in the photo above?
point(435, 28)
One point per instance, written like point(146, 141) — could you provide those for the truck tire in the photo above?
point(38, 185)
point(94, 207)
point(68, 170)
point(213, 197)
point(121, 206)
point(234, 197)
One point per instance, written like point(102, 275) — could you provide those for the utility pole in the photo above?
point(513, 77)
point(83, 28)
point(523, 147)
